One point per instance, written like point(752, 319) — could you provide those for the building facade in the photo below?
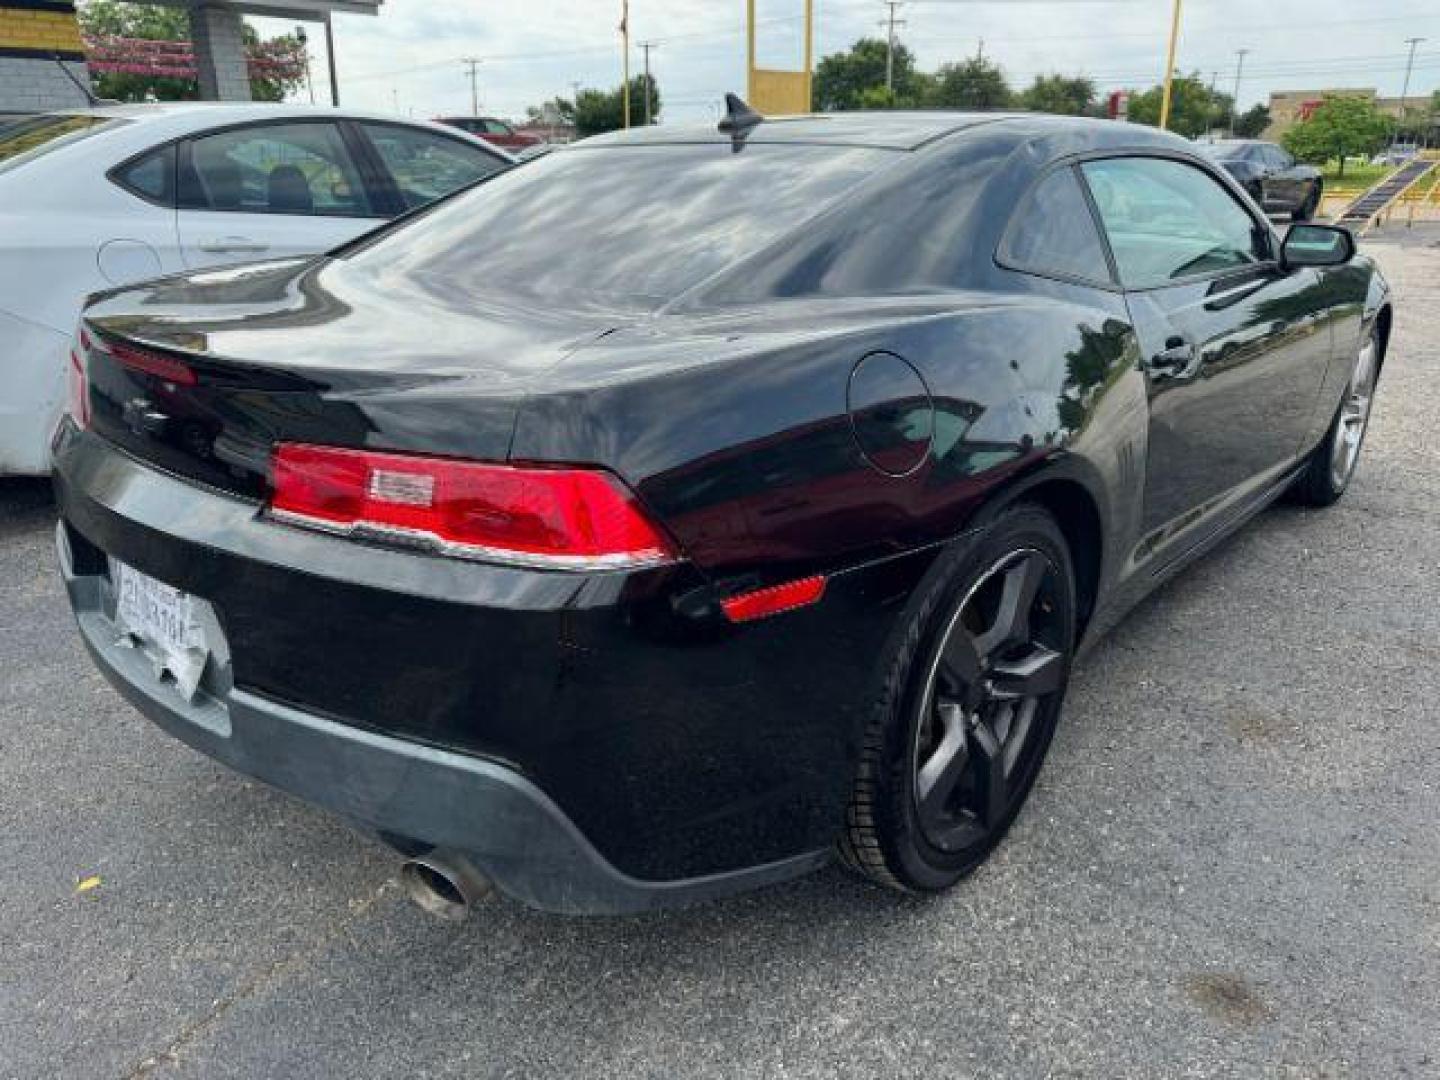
point(42, 62)
point(1290, 107)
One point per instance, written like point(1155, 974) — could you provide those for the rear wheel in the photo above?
point(1331, 466)
point(968, 710)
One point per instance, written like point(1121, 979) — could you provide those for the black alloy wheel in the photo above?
point(972, 705)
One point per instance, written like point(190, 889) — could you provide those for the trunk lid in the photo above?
point(308, 351)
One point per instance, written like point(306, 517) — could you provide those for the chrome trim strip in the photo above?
point(426, 542)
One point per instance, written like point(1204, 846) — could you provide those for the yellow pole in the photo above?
point(750, 51)
point(809, 55)
point(1170, 68)
point(625, 38)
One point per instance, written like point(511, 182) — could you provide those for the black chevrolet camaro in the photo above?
point(673, 512)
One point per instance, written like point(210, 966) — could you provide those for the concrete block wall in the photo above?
point(32, 34)
point(218, 34)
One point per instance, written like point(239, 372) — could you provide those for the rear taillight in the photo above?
point(78, 407)
point(557, 518)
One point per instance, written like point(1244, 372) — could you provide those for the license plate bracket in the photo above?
point(161, 621)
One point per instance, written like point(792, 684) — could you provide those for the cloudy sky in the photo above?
point(409, 58)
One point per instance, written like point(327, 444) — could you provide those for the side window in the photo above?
point(495, 127)
point(1168, 221)
point(274, 169)
point(1054, 232)
point(426, 165)
point(151, 177)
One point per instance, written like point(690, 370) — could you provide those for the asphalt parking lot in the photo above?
point(1231, 866)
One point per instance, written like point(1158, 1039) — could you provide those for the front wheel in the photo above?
point(1332, 464)
point(969, 706)
point(1306, 210)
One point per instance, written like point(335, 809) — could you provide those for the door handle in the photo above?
point(1179, 360)
point(233, 245)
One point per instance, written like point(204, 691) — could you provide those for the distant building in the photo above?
point(42, 58)
point(1290, 107)
point(37, 37)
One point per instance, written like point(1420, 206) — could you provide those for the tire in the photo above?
point(1306, 210)
point(938, 744)
point(1332, 464)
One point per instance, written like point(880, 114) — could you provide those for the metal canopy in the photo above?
point(286, 9)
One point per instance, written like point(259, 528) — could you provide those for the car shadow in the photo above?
point(25, 501)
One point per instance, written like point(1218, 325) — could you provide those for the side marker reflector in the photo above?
point(762, 603)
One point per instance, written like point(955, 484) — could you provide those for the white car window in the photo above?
point(427, 166)
point(295, 168)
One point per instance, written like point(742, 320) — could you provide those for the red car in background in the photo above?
point(496, 132)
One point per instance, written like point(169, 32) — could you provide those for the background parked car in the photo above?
point(101, 197)
point(1271, 176)
point(496, 132)
point(1398, 154)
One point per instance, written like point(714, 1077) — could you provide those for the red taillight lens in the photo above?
point(762, 603)
point(557, 518)
point(79, 408)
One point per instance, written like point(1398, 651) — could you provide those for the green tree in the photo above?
point(1338, 128)
point(1194, 108)
point(971, 84)
point(283, 58)
point(1251, 124)
point(856, 79)
point(1072, 96)
point(598, 111)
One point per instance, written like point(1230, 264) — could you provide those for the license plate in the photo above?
point(156, 615)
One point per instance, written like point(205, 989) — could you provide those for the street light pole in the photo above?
point(1170, 68)
point(1235, 100)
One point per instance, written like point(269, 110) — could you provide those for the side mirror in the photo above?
point(1316, 245)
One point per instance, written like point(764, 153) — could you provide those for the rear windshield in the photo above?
point(635, 225)
point(29, 134)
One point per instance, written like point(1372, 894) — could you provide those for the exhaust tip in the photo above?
point(445, 886)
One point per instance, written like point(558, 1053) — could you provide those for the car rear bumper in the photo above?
point(595, 743)
point(437, 798)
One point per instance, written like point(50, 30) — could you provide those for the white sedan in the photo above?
point(94, 198)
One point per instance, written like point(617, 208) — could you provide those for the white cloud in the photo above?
point(537, 49)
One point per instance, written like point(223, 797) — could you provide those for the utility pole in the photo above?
point(890, 25)
point(647, 46)
point(625, 63)
point(1240, 55)
point(980, 51)
point(330, 58)
point(1409, 66)
point(474, 65)
point(1170, 68)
